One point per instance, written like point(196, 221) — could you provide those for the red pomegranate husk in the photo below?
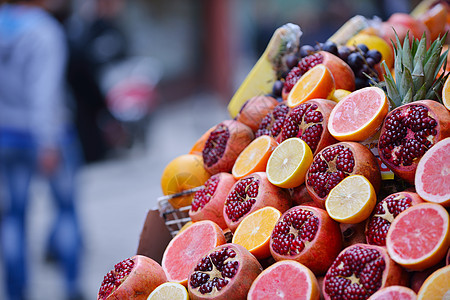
point(315, 243)
point(418, 277)
point(385, 212)
point(349, 271)
point(353, 233)
point(224, 145)
point(272, 123)
point(133, 278)
point(300, 195)
point(238, 284)
point(426, 139)
point(309, 121)
point(252, 193)
point(365, 163)
point(208, 202)
point(255, 109)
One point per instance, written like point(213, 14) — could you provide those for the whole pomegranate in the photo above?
point(337, 161)
point(408, 132)
point(309, 121)
point(308, 235)
point(384, 213)
point(225, 272)
point(255, 109)
point(272, 123)
point(132, 278)
point(224, 144)
point(251, 193)
point(208, 202)
point(359, 271)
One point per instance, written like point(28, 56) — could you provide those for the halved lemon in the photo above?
point(169, 290)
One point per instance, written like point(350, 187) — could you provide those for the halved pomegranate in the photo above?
point(359, 271)
point(309, 121)
point(224, 144)
point(255, 109)
point(132, 278)
point(408, 132)
point(308, 235)
point(271, 124)
point(251, 193)
point(208, 202)
point(336, 162)
point(384, 213)
point(226, 272)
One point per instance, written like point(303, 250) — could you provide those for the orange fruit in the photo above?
point(254, 157)
point(436, 286)
point(352, 200)
point(182, 173)
point(169, 290)
point(339, 94)
point(317, 82)
point(446, 93)
point(419, 236)
point(359, 115)
point(374, 42)
point(288, 163)
point(253, 233)
point(198, 146)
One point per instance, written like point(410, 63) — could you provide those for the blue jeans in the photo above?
point(17, 168)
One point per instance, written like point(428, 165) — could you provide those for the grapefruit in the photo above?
point(394, 292)
point(187, 247)
point(287, 279)
point(419, 236)
point(432, 176)
point(359, 115)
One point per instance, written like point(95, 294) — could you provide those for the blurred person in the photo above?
point(36, 139)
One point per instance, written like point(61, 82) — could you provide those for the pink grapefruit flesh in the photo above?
point(394, 292)
point(419, 236)
point(186, 248)
point(286, 279)
point(432, 177)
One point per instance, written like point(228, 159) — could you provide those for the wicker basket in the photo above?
point(175, 218)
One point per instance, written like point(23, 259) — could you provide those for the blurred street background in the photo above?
point(182, 61)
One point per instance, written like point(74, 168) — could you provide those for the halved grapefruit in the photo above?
point(394, 292)
point(359, 115)
point(432, 177)
point(187, 247)
point(419, 236)
point(286, 279)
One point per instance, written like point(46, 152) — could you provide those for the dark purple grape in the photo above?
point(344, 52)
point(375, 55)
point(331, 47)
point(318, 46)
point(306, 50)
point(370, 61)
point(291, 61)
point(277, 88)
point(355, 61)
point(363, 48)
point(364, 69)
point(361, 83)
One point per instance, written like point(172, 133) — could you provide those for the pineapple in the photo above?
point(416, 70)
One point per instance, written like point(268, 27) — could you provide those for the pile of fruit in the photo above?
point(331, 179)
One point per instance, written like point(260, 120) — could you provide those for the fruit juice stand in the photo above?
point(330, 179)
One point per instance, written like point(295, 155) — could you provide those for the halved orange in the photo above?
point(446, 93)
point(254, 157)
point(288, 163)
point(359, 115)
point(253, 233)
point(436, 286)
point(352, 200)
point(317, 82)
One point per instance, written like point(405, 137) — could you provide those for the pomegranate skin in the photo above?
point(213, 209)
point(255, 109)
point(145, 275)
point(319, 253)
point(378, 224)
point(300, 195)
point(300, 122)
point(353, 233)
point(393, 274)
point(342, 73)
point(248, 268)
point(221, 150)
point(436, 111)
point(267, 195)
point(365, 163)
point(272, 123)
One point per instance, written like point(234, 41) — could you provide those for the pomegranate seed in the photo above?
point(310, 61)
point(291, 78)
point(241, 199)
point(202, 197)
point(215, 145)
point(114, 278)
point(272, 123)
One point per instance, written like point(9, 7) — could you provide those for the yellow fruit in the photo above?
point(339, 94)
point(169, 290)
point(374, 42)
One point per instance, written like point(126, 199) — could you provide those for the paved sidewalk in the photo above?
point(115, 196)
